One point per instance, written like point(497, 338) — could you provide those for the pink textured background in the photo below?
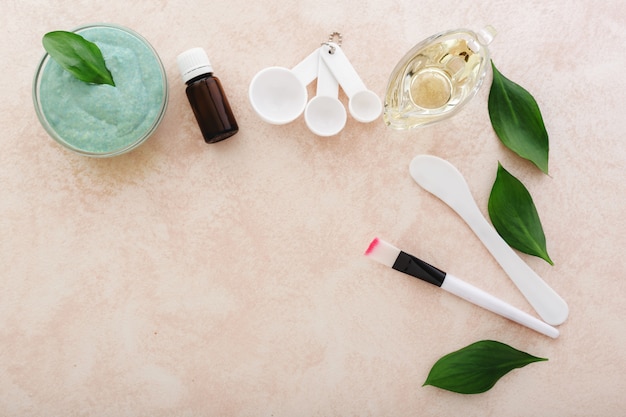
point(186, 279)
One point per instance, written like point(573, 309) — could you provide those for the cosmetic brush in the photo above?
point(389, 255)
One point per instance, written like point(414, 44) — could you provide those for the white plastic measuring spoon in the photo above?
point(443, 180)
point(325, 114)
point(278, 95)
point(365, 106)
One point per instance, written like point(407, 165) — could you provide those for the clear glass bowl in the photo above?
point(101, 120)
point(436, 78)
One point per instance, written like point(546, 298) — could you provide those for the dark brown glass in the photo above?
point(210, 105)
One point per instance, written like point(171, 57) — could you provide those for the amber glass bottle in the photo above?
point(206, 96)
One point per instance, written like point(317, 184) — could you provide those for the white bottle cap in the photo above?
point(192, 63)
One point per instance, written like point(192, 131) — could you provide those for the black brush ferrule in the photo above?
point(417, 268)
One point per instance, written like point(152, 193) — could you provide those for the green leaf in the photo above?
point(516, 119)
point(514, 216)
point(80, 57)
point(476, 368)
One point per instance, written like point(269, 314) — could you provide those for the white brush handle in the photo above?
point(546, 302)
point(487, 301)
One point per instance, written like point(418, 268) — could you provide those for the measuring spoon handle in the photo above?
point(306, 70)
point(365, 106)
point(342, 69)
point(327, 85)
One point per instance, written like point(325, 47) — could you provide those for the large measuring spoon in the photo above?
point(443, 180)
point(278, 95)
point(325, 114)
point(365, 106)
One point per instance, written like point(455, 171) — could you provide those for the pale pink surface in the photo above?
point(187, 279)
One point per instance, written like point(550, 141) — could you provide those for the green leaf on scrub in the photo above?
point(514, 216)
point(516, 119)
point(80, 57)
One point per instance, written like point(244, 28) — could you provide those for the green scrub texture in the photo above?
point(102, 119)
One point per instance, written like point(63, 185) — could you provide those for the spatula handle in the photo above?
point(443, 180)
point(546, 302)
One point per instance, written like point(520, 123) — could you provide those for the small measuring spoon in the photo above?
point(365, 106)
point(443, 180)
point(278, 95)
point(325, 115)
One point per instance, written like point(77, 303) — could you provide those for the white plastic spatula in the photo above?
point(443, 180)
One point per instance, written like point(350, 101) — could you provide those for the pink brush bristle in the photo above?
point(372, 246)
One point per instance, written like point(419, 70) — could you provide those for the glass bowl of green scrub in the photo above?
point(100, 120)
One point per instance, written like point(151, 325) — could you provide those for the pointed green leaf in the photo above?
point(80, 57)
point(476, 368)
point(516, 119)
point(513, 214)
